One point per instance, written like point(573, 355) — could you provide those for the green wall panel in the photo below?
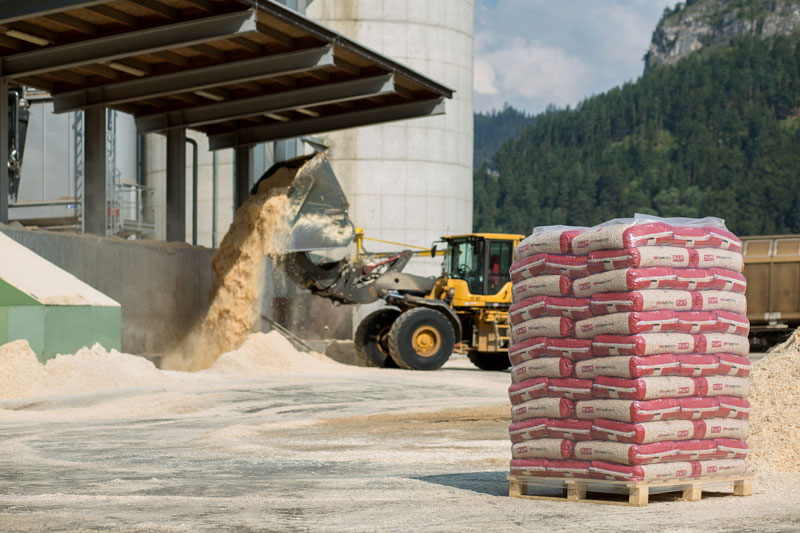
point(3, 325)
point(27, 322)
point(68, 329)
point(11, 296)
point(51, 330)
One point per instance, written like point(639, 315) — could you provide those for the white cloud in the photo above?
point(530, 71)
point(541, 52)
point(483, 77)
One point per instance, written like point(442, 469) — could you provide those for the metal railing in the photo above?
point(131, 210)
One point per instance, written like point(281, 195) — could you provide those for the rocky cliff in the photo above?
point(697, 23)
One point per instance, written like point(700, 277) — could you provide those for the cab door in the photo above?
point(498, 261)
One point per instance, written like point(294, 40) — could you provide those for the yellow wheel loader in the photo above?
point(426, 318)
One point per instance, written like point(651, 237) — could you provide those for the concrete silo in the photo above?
point(410, 181)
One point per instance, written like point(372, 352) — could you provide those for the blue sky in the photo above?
point(531, 53)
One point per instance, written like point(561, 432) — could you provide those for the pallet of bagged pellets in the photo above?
point(630, 369)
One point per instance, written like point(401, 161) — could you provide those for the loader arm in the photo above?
point(362, 282)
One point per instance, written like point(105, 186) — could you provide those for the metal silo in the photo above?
point(410, 181)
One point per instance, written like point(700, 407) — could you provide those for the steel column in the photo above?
point(243, 174)
point(95, 201)
point(176, 185)
point(4, 125)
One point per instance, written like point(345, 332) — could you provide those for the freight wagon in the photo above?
point(772, 269)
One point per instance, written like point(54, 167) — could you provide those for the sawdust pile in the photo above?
point(22, 376)
point(259, 229)
point(775, 417)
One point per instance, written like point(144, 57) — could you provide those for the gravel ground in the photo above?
point(371, 450)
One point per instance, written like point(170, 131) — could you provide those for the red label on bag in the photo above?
point(713, 300)
point(716, 344)
point(683, 433)
point(707, 257)
point(716, 429)
point(677, 258)
point(584, 286)
point(680, 473)
point(683, 345)
point(587, 368)
point(711, 469)
point(586, 327)
point(586, 451)
point(718, 386)
point(587, 409)
point(683, 390)
point(681, 303)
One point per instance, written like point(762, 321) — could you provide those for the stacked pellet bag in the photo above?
point(629, 352)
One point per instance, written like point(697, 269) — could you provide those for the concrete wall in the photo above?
point(163, 288)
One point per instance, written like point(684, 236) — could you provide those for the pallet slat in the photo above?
point(638, 492)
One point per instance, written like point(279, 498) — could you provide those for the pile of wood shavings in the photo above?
point(775, 417)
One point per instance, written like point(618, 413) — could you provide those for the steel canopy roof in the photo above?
point(241, 71)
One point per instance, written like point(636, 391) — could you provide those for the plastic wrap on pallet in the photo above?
point(574, 266)
point(544, 367)
point(530, 389)
point(627, 366)
point(649, 388)
point(627, 454)
point(543, 449)
point(552, 306)
point(636, 301)
point(644, 344)
point(543, 408)
point(733, 407)
point(651, 472)
point(628, 410)
point(651, 364)
point(647, 432)
point(534, 428)
point(527, 350)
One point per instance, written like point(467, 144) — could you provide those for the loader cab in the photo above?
point(481, 260)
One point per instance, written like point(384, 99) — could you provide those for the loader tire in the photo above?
point(421, 339)
point(489, 360)
point(371, 338)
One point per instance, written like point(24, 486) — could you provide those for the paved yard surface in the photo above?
point(363, 450)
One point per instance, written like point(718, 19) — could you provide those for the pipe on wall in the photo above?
point(193, 144)
point(214, 200)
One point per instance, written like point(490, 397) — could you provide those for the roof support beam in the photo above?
point(272, 132)
point(143, 41)
point(195, 79)
point(267, 104)
point(13, 10)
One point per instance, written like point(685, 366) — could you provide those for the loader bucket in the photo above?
point(316, 212)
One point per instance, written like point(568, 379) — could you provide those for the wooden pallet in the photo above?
point(638, 492)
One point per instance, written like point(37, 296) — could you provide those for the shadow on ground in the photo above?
point(491, 483)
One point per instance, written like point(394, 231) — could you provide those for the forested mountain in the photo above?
point(718, 133)
point(494, 128)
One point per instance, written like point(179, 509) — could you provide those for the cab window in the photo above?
point(465, 260)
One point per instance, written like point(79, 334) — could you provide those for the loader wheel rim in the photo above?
point(426, 341)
